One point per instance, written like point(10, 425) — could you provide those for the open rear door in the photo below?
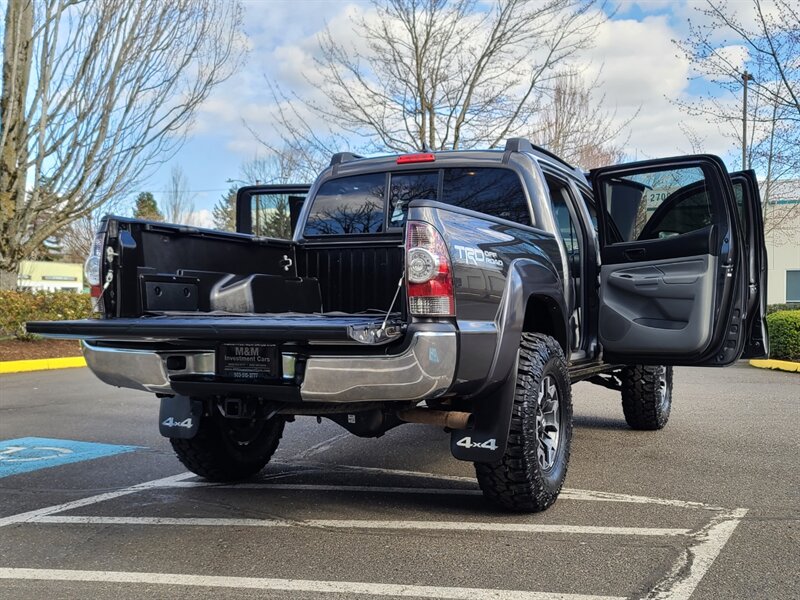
point(748, 202)
point(674, 274)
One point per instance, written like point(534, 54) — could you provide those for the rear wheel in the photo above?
point(530, 475)
point(646, 396)
point(229, 449)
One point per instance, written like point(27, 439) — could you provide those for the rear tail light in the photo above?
point(429, 276)
point(93, 269)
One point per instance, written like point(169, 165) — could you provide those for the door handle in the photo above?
point(635, 253)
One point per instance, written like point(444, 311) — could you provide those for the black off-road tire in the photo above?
point(519, 482)
point(646, 396)
point(229, 449)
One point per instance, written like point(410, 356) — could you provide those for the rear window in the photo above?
point(349, 205)
point(355, 204)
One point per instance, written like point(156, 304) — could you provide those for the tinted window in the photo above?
point(564, 222)
point(355, 204)
point(407, 187)
point(678, 215)
point(348, 205)
point(590, 207)
point(657, 204)
point(496, 192)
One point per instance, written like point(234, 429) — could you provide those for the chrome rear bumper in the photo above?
point(425, 369)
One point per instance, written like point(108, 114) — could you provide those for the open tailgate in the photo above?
point(217, 328)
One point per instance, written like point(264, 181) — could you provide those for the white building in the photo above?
point(782, 226)
point(40, 275)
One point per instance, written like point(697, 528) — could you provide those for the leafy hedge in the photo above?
point(18, 307)
point(772, 308)
point(784, 335)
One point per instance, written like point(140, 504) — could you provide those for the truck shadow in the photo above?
point(593, 422)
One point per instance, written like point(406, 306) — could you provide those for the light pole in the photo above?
point(745, 78)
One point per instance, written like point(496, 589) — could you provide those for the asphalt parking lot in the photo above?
point(707, 508)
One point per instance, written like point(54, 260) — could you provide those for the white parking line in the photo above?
point(49, 510)
point(571, 494)
point(684, 577)
point(594, 496)
point(468, 526)
point(322, 447)
point(291, 585)
point(696, 560)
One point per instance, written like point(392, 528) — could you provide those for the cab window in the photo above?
point(492, 191)
point(657, 204)
point(348, 205)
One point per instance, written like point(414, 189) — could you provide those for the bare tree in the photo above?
point(770, 35)
point(93, 93)
point(576, 126)
point(178, 204)
point(77, 237)
point(441, 74)
point(282, 166)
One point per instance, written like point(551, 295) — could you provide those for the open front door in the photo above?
point(748, 202)
point(674, 274)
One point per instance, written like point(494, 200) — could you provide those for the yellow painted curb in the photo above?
point(41, 364)
point(780, 365)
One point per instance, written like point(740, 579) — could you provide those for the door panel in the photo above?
point(701, 241)
point(672, 276)
point(657, 306)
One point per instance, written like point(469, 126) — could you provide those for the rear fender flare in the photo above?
point(527, 281)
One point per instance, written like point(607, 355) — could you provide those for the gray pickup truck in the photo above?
point(465, 289)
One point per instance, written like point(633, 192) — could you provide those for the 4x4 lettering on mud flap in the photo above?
point(466, 442)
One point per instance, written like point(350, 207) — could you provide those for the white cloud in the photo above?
point(638, 63)
point(201, 218)
point(640, 67)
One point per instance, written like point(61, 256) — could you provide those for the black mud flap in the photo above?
point(486, 441)
point(179, 417)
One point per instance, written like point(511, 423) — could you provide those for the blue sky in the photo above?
point(640, 69)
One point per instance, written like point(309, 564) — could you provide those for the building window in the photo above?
point(793, 286)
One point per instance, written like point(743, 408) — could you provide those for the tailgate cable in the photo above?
point(110, 255)
point(391, 306)
point(367, 334)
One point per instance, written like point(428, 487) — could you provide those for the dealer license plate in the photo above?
point(247, 362)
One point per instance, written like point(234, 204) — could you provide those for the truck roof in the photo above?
point(348, 163)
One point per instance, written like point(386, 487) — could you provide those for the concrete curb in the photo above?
point(41, 364)
point(780, 365)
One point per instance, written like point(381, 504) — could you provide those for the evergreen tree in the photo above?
point(224, 213)
point(279, 224)
point(147, 208)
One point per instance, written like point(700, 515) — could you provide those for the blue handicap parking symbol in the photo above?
point(31, 453)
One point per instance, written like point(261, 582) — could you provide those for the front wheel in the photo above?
point(646, 396)
point(227, 449)
point(529, 476)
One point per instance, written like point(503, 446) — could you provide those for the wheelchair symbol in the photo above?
point(18, 454)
